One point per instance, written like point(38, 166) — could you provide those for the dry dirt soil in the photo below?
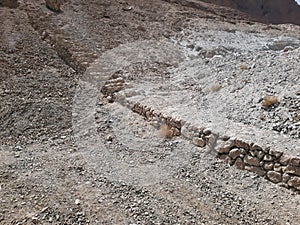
point(70, 154)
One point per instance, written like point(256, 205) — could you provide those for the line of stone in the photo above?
point(73, 52)
point(275, 166)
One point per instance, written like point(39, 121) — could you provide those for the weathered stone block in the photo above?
point(224, 147)
point(241, 144)
point(295, 161)
point(251, 160)
point(236, 152)
point(284, 160)
point(292, 170)
point(275, 177)
point(294, 182)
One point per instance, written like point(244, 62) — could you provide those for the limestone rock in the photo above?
point(275, 177)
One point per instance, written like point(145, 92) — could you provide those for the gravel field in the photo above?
point(72, 149)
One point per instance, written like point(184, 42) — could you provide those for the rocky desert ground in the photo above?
point(147, 112)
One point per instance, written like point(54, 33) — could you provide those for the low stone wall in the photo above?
point(275, 166)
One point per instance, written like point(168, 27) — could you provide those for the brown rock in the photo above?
point(294, 182)
point(268, 165)
point(239, 164)
point(251, 160)
point(54, 5)
point(234, 153)
point(276, 154)
point(225, 147)
point(284, 160)
point(241, 144)
point(275, 177)
point(292, 170)
point(295, 161)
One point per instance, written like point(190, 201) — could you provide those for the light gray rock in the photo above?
point(199, 142)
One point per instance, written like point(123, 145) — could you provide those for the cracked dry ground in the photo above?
point(47, 176)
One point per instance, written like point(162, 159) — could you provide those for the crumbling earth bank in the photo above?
point(116, 169)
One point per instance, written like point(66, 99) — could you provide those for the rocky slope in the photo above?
point(72, 155)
